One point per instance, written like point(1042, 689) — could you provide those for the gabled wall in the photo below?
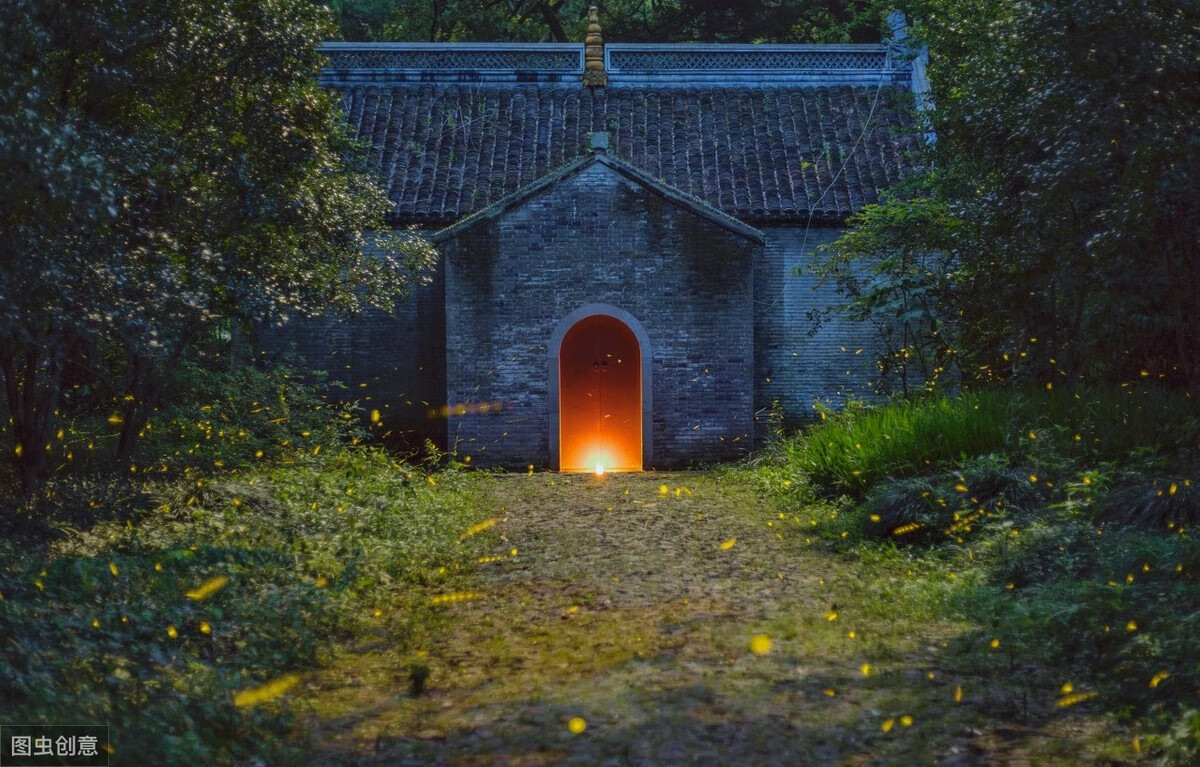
point(598, 237)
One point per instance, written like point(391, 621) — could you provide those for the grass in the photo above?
point(624, 609)
point(182, 623)
point(1057, 523)
point(324, 596)
point(849, 452)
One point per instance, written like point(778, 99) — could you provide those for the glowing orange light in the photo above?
point(600, 397)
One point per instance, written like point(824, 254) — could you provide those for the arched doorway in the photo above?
point(600, 396)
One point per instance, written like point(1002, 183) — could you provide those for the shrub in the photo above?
point(1038, 552)
point(111, 623)
point(1181, 744)
point(71, 501)
point(1113, 424)
point(211, 419)
point(1116, 610)
point(113, 638)
point(223, 419)
point(1154, 503)
point(899, 504)
point(949, 505)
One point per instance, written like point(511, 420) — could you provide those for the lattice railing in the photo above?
point(627, 64)
point(455, 57)
point(660, 58)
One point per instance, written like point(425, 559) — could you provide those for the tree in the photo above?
point(623, 20)
point(59, 204)
point(893, 266)
point(1068, 152)
point(174, 165)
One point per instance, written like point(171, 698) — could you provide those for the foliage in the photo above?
point(231, 418)
point(1065, 160)
point(1116, 614)
point(356, 516)
point(70, 500)
point(170, 166)
point(219, 588)
point(1154, 502)
point(980, 492)
point(893, 266)
point(1181, 744)
point(88, 645)
point(1058, 524)
point(622, 20)
point(216, 418)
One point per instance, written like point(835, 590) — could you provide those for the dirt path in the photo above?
point(624, 608)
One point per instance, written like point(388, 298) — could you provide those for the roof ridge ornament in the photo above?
point(594, 75)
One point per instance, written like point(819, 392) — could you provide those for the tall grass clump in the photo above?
point(848, 452)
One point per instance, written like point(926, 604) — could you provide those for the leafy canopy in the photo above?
point(167, 165)
point(1066, 160)
point(622, 20)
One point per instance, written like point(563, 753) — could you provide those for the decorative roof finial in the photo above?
point(594, 75)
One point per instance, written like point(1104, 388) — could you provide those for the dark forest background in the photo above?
point(628, 21)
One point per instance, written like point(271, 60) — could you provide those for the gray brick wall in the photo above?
point(728, 323)
point(794, 366)
point(393, 362)
point(598, 237)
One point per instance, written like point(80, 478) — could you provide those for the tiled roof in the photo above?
point(760, 155)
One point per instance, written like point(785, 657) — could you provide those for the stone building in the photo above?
point(625, 232)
